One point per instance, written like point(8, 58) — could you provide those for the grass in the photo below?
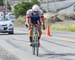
point(70, 27)
point(20, 21)
point(59, 27)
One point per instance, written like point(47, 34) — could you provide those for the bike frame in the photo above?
point(35, 40)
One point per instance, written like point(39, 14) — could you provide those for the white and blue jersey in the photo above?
point(34, 18)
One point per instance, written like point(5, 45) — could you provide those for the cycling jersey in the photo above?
point(34, 18)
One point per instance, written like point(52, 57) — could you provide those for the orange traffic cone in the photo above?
point(48, 31)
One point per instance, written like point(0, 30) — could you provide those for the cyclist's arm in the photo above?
point(28, 16)
point(42, 17)
point(27, 20)
point(43, 21)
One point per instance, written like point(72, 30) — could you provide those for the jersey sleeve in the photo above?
point(28, 14)
point(41, 14)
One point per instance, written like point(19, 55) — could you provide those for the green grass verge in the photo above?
point(59, 27)
point(70, 27)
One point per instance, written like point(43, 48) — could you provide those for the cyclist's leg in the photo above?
point(30, 34)
point(39, 35)
point(39, 32)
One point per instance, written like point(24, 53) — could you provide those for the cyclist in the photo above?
point(34, 16)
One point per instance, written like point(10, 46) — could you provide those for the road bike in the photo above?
point(35, 42)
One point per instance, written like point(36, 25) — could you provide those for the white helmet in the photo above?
point(35, 7)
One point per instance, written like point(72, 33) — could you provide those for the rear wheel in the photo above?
point(37, 48)
point(37, 51)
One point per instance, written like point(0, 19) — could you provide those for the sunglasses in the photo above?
point(35, 11)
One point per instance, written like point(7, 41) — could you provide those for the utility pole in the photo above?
point(4, 8)
point(47, 5)
point(6, 5)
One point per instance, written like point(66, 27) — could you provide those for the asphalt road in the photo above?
point(60, 46)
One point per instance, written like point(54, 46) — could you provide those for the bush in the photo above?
point(44, 11)
point(21, 8)
point(8, 6)
point(1, 2)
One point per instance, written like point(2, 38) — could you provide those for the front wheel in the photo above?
point(11, 32)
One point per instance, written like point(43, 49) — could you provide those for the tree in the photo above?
point(21, 8)
point(1, 2)
point(8, 6)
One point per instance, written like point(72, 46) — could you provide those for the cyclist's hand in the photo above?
point(27, 25)
point(43, 27)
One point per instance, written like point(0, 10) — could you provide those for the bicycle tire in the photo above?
point(37, 50)
point(37, 47)
point(33, 50)
point(33, 45)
